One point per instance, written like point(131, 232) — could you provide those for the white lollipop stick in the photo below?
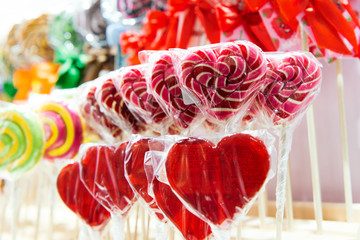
point(314, 162)
point(289, 200)
point(344, 144)
point(262, 207)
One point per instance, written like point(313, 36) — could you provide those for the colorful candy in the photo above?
point(290, 86)
point(223, 78)
point(63, 130)
point(166, 87)
point(91, 111)
point(21, 140)
point(134, 92)
point(113, 105)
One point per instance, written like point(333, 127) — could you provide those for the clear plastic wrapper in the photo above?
point(112, 104)
point(292, 82)
point(217, 182)
point(135, 171)
point(76, 197)
point(22, 140)
point(222, 79)
point(131, 84)
point(92, 114)
point(102, 172)
point(140, 174)
point(163, 82)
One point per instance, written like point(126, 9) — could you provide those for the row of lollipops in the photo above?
point(205, 189)
point(217, 88)
point(332, 27)
point(229, 85)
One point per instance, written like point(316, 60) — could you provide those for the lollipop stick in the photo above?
point(3, 209)
point(284, 148)
point(143, 231)
point(289, 200)
point(344, 144)
point(238, 234)
point(314, 162)
point(171, 234)
point(117, 227)
point(148, 228)
point(128, 236)
point(136, 222)
point(39, 203)
point(262, 207)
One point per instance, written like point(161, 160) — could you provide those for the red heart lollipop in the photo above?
point(291, 85)
point(190, 226)
point(217, 181)
point(223, 78)
point(74, 194)
point(166, 87)
point(134, 168)
point(115, 108)
point(140, 102)
point(102, 171)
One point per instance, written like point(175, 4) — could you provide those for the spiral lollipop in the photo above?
point(21, 140)
point(224, 78)
point(291, 85)
point(166, 87)
point(134, 92)
point(90, 110)
point(110, 100)
point(63, 130)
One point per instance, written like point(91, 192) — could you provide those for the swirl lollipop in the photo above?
point(21, 140)
point(166, 87)
point(90, 110)
point(291, 85)
point(63, 130)
point(112, 103)
point(223, 77)
point(134, 92)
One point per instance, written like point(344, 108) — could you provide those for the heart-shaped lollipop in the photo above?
point(90, 110)
point(223, 77)
point(114, 106)
point(74, 194)
point(135, 172)
point(166, 87)
point(139, 101)
point(291, 85)
point(190, 226)
point(102, 172)
point(218, 181)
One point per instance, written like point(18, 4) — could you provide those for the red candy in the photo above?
point(115, 108)
point(102, 171)
point(74, 194)
point(166, 87)
point(223, 78)
point(134, 167)
point(134, 92)
point(217, 181)
point(91, 111)
point(190, 226)
point(290, 86)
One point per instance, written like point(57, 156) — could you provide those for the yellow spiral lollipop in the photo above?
point(21, 140)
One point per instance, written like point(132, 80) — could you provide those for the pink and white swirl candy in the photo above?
point(166, 87)
point(141, 103)
point(90, 110)
point(114, 107)
point(290, 87)
point(224, 78)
